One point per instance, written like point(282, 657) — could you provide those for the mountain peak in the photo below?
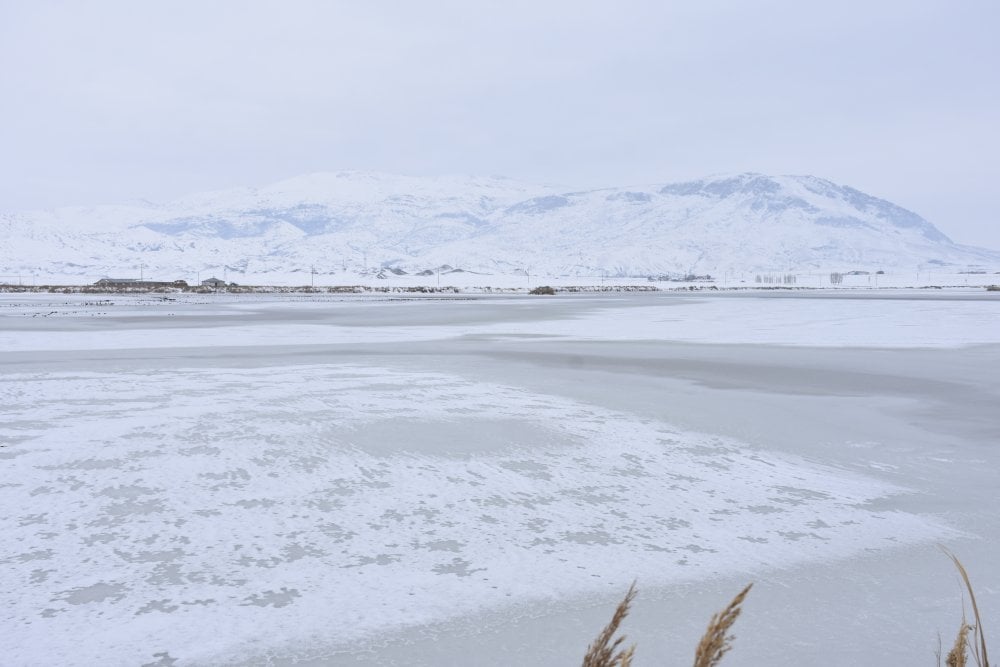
point(358, 219)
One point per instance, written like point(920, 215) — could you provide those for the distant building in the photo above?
point(118, 282)
point(213, 282)
point(136, 282)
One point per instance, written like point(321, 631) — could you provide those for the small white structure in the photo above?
point(213, 282)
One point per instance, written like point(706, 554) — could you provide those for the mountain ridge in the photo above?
point(362, 221)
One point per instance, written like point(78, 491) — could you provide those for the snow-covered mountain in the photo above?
point(364, 221)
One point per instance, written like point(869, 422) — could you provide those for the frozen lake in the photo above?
point(250, 479)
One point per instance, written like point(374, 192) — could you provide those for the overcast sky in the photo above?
point(110, 101)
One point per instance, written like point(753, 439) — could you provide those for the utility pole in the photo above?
point(312, 276)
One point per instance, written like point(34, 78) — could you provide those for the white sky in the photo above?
point(105, 101)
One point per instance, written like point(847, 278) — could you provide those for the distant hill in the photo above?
point(358, 221)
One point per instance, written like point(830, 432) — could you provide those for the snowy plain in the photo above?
point(276, 479)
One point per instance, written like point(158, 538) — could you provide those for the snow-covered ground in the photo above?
point(253, 479)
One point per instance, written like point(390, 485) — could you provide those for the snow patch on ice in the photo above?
point(179, 512)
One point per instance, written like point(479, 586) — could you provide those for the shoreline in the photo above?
point(472, 290)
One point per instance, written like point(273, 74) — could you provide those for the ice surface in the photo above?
point(169, 502)
point(196, 504)
point(861, 320)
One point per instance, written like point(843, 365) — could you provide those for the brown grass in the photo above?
point(717, 641)
point(957, 655)
point(607, 653)
point(978, 641)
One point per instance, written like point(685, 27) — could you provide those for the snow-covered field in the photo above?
point(265, 479)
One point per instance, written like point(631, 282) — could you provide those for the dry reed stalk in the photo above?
point(607, 653)
point(979, 645)
point(957, 655)
point(716, 641)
